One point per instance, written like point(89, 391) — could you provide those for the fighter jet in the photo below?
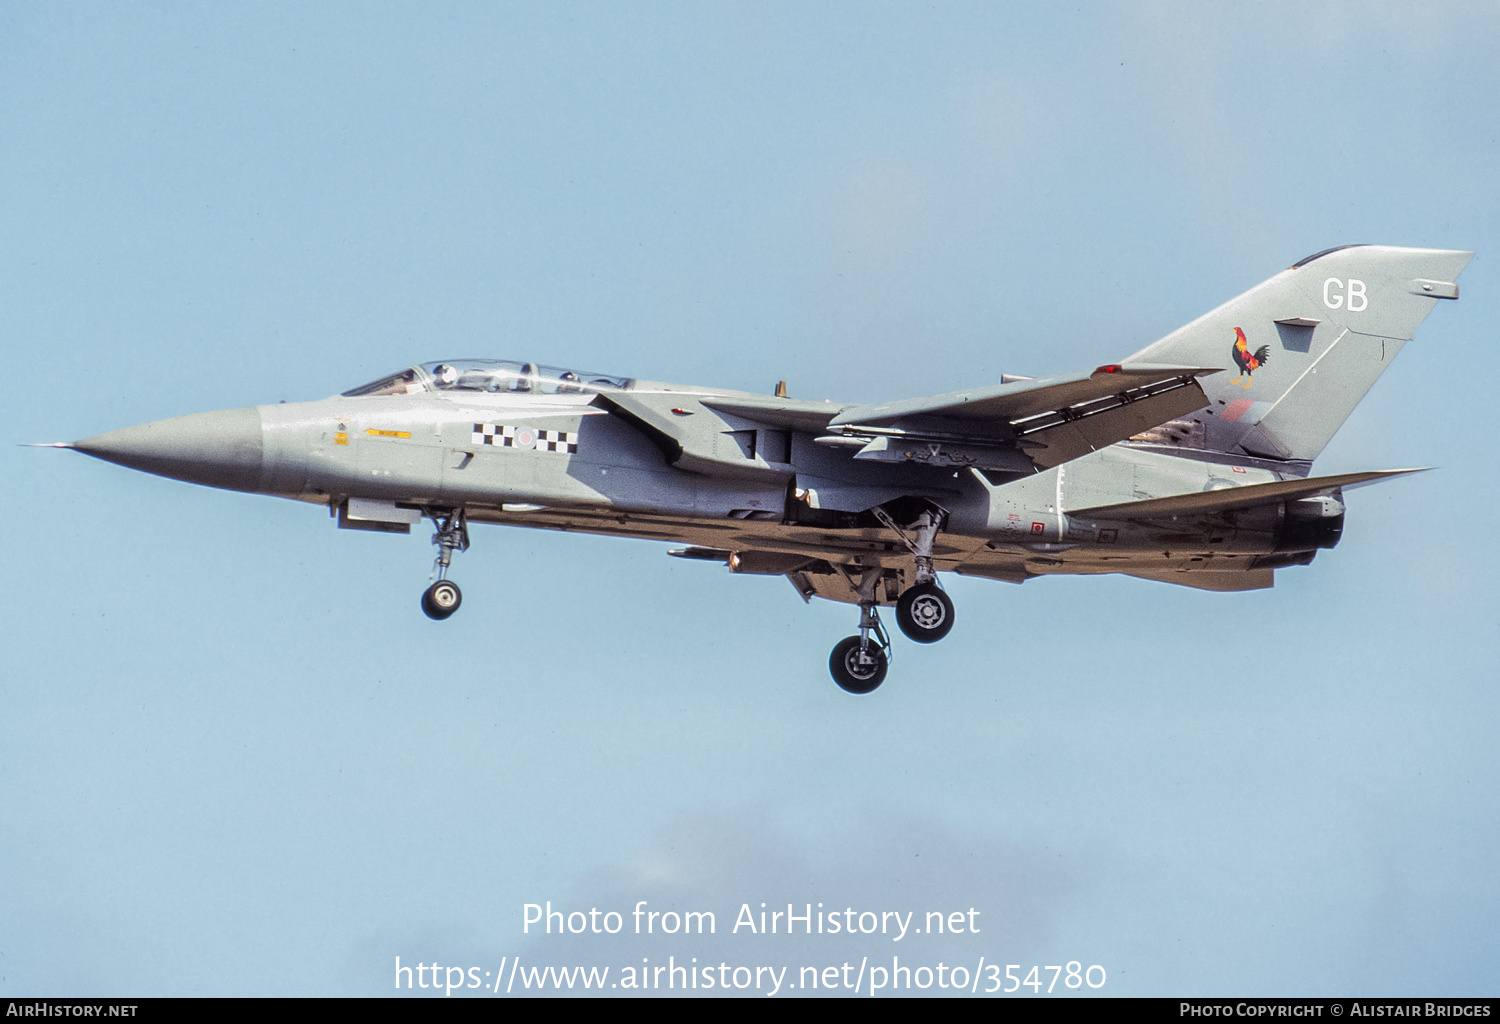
point(1188, 462)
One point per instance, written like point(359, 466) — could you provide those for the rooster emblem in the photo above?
point(1247, 361)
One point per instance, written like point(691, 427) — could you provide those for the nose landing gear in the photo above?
point(443, 598)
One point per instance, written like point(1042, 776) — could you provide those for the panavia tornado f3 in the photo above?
point(1188, 462)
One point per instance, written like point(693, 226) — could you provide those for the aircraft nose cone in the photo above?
point(218, 449)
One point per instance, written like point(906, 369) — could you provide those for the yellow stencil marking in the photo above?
point(341, 438)
point(388, 433)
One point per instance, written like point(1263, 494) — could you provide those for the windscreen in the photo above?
point(492, 376)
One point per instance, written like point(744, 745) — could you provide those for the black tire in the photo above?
point(442, 599)
point(925, 613)
point(854, 674)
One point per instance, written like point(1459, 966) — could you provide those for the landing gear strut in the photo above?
point(443, 598)
point(859, 663)
point(924, 612)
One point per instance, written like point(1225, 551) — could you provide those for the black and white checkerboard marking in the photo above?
point(525, 437)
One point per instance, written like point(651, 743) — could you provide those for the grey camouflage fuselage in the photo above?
point(1187, 463)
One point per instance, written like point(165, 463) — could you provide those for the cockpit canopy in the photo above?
point(491, 376)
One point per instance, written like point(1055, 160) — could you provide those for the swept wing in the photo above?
point(1041, 423)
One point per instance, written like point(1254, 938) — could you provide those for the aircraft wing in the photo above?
point(782, 412)
point(697, 437)
point(1022, 426)
point(1236, 497)
point(1051, 420)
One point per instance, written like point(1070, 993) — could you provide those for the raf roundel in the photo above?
point(526, 437)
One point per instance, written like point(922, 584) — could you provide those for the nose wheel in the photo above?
point(443, 598)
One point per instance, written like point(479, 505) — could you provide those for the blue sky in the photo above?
point(236, 759)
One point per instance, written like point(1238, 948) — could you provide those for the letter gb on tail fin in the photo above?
point(1304, 347)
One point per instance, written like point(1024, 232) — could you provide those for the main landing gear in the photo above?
point(443, 598)
point(859, 663)
point(924, 612)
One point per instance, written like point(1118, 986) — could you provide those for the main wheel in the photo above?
point(925, 613)
point(442, 599)
point(854, 670)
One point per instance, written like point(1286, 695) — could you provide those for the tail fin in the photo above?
point(1302, 349)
